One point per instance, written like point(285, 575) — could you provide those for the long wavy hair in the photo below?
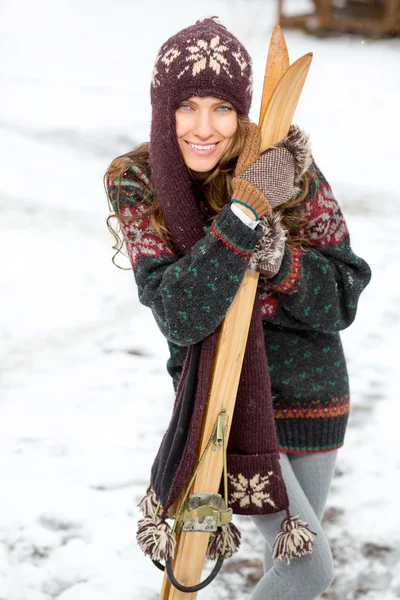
point(216, 189)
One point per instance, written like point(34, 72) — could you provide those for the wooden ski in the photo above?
point(281, 92)
point(276, 66)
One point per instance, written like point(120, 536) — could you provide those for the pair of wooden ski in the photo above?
point(282, 88)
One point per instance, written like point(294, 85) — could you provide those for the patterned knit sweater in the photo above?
point(312, 298)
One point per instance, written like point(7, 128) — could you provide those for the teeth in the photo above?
point(202, 147)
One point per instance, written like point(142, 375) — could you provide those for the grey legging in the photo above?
point(308, 478)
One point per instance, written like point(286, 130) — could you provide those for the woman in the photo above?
point(198, 206)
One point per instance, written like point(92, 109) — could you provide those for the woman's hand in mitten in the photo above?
point(268, 254)
point(266, 181)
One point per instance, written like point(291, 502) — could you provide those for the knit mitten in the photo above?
point(266, 181)
point(268, 254)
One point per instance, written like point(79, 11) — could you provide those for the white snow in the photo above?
point(85, 398)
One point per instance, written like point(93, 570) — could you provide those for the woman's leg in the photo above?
point(314, 472)
point(306, 577)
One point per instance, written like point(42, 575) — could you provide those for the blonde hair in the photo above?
point(217, 189)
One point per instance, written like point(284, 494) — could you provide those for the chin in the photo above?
point(201, 164)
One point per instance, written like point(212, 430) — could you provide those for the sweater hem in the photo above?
point(308, 435)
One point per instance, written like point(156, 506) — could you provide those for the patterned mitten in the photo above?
point(266, 181)
point(268, 254)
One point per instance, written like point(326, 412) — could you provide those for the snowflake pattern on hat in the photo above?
point(201, 55)
point(204, 54)
point(207, 48)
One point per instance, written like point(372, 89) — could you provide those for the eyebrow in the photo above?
point(216, 103)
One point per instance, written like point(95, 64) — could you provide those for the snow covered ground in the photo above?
point(84, 396)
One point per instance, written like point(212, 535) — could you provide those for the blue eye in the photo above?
point(185, 106)
point(224, 108)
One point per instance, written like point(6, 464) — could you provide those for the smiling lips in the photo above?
point(202, 149)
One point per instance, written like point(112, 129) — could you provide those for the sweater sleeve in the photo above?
point(190, 295)
point(317, 288)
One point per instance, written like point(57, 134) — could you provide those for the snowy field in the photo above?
point(84, 395)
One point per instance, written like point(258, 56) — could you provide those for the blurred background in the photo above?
point(84, 397)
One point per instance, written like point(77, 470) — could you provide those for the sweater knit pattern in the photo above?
point(311, 299)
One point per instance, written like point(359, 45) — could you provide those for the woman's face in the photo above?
point(205, 128)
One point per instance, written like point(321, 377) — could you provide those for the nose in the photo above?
point(204, 127)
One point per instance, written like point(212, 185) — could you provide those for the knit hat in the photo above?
point(202, 60)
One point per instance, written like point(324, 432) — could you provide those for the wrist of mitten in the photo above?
point(268, 253)
point(250, 196)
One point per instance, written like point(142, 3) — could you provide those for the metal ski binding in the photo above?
point(205, 511)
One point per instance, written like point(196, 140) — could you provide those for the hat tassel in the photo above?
point(295, 539)
point(149, 503)
point(154, 534)
point(224, 542)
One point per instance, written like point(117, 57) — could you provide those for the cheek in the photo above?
point(230, 127)
point(182, 126)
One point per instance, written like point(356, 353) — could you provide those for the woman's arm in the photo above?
point(189, 295)
point(318, 288)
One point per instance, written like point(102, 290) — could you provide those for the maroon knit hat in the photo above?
point(201, 60)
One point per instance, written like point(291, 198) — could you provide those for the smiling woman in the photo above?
point(198, 206)
point(205, 128)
